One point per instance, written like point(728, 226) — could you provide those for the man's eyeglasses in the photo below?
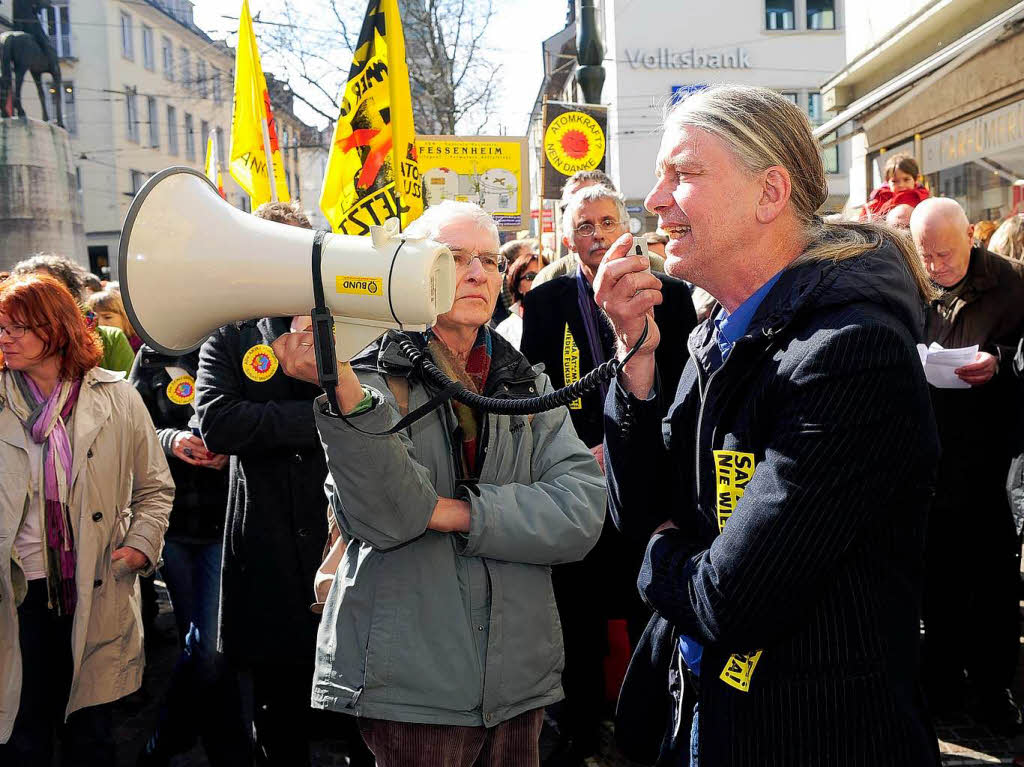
point(15, 331)
point(587, 229)
point(493, 263)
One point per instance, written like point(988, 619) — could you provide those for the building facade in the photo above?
point(657, 52)
point(143, 88)
point(940, 81)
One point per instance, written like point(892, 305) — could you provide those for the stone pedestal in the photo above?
point(40, 208)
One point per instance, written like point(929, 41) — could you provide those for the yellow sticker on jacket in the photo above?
point(182, 390)
point(733, 471)
point(571, 364)
point(738, 670)
point(259, 363)
point(360, 286)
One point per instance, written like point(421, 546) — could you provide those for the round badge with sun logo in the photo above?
point(182, 390)
point(259, 363)
point(573, 142)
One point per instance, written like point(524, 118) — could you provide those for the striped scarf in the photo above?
point(44, 420)
point(474, 377)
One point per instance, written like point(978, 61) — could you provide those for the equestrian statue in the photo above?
point(28, 49)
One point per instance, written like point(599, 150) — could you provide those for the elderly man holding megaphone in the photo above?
point(440, 632)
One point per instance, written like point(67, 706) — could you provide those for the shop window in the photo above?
point(779, 14)
point(57, 23)
point(821, 14)
point(680, 92)
point(127, 37)
point(814, 110)
point(792, 96)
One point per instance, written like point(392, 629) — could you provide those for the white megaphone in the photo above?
point(189, 263)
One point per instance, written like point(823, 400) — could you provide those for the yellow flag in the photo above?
point(372, 173)
point(213, 166)
point(252, 122)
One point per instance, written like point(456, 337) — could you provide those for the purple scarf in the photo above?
point(44, 419)
point(590, 315)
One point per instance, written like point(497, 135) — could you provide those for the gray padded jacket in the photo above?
point(445, 628)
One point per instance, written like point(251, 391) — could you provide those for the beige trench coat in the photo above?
point(121, 494)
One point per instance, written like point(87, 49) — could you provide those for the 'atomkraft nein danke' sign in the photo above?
point(666, 58)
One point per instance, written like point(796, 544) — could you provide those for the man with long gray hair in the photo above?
point(785, 496)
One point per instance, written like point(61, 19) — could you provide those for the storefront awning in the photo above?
point(933, 67)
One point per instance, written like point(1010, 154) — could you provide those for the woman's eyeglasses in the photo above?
point(15, 331)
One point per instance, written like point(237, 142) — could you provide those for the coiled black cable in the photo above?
point(603, 373)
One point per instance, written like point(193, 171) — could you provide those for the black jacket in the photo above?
point(552, 306)
point(200, 494)
point(980, 428)
point(551, 310)
point(816, 443)
point(277, 509)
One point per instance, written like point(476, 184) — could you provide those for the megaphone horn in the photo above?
point(189, 263)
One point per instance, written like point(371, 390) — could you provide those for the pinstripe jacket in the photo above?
point(799, 474)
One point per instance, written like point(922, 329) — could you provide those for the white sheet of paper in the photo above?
point(940, 364)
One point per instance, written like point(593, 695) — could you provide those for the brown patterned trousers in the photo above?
point(513, 743)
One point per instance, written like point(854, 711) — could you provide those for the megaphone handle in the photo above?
point(323, 328)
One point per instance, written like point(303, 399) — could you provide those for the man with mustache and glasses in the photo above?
point(564, 329)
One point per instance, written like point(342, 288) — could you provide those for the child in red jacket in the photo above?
point(901, 188)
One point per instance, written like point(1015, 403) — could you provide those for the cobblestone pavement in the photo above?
point(963, 741)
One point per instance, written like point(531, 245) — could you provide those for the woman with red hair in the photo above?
point(77, 449)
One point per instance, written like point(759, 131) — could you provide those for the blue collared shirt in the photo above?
point(729, 328)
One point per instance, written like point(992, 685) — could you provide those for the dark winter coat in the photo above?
point(554, 334)
point(200, 495)
point(277, 511)
point(799, 474)
point(980, 428)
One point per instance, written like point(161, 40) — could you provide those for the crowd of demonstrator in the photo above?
point(775, 526)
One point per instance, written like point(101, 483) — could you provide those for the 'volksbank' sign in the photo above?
point(665, 58)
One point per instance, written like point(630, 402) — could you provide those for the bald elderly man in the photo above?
point(972, 565)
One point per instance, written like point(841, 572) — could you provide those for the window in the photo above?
point(814, 112)
point(217, 96)
point(78, 179)
point(138, 179)
point(172, 129)
point(244, 204)
point(779, 14)
point(57, 24)
point(132, 112)
point(221, 159)
point(792, 96)
point(148, 58)
point(821, 14)
point(830, 156)
point(127, 37)
point(204, 132)
point(154, 122)
point(186, 69)
point(168, 59)
point(190, 138)
point(66, 96)
point(201, 79)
